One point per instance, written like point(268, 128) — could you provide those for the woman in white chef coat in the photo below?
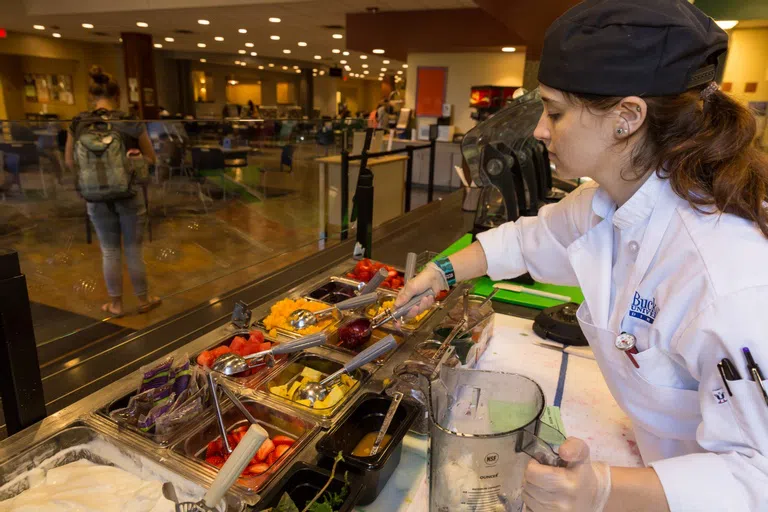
point(669, 245)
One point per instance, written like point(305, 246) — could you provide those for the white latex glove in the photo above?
point(583, 486)
point(431, 277)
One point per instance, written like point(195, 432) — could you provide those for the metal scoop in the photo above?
point(314, 391)
point(231, 364)
point(303, 318)
point(378, 278)
point(396, 398)
point(400, 312)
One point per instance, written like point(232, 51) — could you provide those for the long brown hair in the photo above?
point(103, 86)
point(705, 147)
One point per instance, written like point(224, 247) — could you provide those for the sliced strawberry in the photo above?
point(241, 428)
point(278, 440)
point(215, 447)
point(272, 457)
point(280, 450)
point(215, 460)
point(238, 436)
point(257, 469)
point(266, 448)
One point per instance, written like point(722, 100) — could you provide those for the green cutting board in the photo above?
point(484, 285)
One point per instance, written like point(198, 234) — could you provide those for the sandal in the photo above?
point(151, 304)
point(107, 308)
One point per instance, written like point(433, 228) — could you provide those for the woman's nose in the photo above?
point(542, 131)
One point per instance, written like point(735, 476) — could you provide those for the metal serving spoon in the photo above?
point(378, 278)
point(231, 364)
point(303, 318)
point(396, 398)
point(314, 391)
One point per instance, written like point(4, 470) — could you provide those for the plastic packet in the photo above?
point(156, 375)
point(181, 376)
point(147, 423)
point(179, 416)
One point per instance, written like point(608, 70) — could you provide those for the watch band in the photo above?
point(445, 265)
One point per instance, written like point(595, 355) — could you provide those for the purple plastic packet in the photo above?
point(147, 423)
point(182, 375)
point(156, 375)
point(180, 416)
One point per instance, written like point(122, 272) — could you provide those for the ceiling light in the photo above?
point(405, 66)
point(318, 57)
point(322, 72)
point(232, 82)
point(346, 54)
point(242, 30)
point(378, 51)
point(218, 38)
point(383, 69)
point(727, 25)
point(241, 52)
point(298, 71)
point(385, 62)
point(142, 24)
point(261, 67)
point(509, 49)
point(243, 63)
point(338, 36)
point(295, 67)
point(285, 67)
point(381, 74)
point(275, 20)
point(203, 60)
point(87, 25)
point(381, 79)
point(254, 54)
point(38, 27)
point(56, 35)
point(119, 39)
point(348, 68)
point(237, 63)
point(271, 65)
point(366, 72)
point(274, 38)
point(157, 45)
point(286, 51)
point(302, 43)
point(365, 66)
point(169, 39)
point(363, 57)
point(249, 45)
point(204, 22)
point(201, 45)
point(314, 74)
point(335, 50)
point(343, 61)
point(400, 72)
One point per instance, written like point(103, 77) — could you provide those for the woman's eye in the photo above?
point(553, 116)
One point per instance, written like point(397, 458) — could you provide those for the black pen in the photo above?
point(720, 368)
point(731, 373)
point(757, 375)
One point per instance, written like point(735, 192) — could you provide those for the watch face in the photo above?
point(625, 341)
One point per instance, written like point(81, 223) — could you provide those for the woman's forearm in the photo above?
point(636, 490)
point(469, 263)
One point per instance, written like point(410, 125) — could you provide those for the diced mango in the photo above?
point(347, 380)
point(305, 403)
point(279, 391)
point(311, 374)
point(296, 385)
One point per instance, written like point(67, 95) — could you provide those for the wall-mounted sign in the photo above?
point(133, 90)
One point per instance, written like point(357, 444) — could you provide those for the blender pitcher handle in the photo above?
point(540, 450)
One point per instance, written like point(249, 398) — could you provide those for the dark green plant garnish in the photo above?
point(331, 500)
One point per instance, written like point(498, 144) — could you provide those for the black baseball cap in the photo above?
point(631, 47)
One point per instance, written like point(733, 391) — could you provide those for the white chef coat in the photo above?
point(693, 289)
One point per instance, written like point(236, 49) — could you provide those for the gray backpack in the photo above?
point(104, 172)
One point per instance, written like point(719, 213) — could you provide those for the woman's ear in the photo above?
point(631, 113)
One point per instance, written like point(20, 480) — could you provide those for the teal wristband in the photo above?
point(447, 267)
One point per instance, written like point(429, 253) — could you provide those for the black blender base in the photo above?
point(559, 324)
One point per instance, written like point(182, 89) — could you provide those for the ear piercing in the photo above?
point(619, 131)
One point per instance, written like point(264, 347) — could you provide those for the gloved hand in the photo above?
point(583, 486)
point(431, 277)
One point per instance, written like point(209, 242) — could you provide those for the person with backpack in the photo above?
point(109, 151)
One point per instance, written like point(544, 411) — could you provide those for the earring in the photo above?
point(639, 109)
point(619, 131)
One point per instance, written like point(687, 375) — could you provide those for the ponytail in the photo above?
point(103, 86)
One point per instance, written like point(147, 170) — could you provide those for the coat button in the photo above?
point(634, 247)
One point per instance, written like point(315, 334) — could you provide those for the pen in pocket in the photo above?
point(755, 372)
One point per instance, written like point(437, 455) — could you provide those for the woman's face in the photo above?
point(577, 139)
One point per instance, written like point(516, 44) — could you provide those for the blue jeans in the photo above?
point(112, 221)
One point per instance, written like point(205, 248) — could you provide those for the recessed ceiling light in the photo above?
point(366, 72)
point(261, 67)
point(119, 39)
point(383, 69)
point(242, 30)
point(343, 61)
point(243, 63)
point(142, 24)
point(318, 57)
point(322, 72)
point(298, 71)
point(295, 67)
point(237, 63)
point(274, 38)
point(727, 25)
point(302, 43)
point(87, 25)
point(275, 20)
point(346, 54)
point(363, 57)
point(285, 67)
point(509, 49)
point(365, 66)
point(400, 72)
point(249, 45)
point(157, 45)
point(405, 66)
point(241, 52)
point(378, 51)
point(385, 62)
point(271, 65)
point(203, 60)
point(56, 35)
point(218, 38)
point(286, 51)
point(169, 39)
point(201, 45)
point(38, 27)
point(348, 68)
point(381, 74)
point(204, 22)
point(338, 36)
point(254, 54)
point(314, 74)
point(381, 79)
point(314, 70)
point(336, 50)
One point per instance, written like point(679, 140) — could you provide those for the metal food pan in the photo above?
point(334, 343)
point(334, 290)
point(275, 421)
point(346, 275)
point(292, 335)
point(80, 441)
point(408, 326)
